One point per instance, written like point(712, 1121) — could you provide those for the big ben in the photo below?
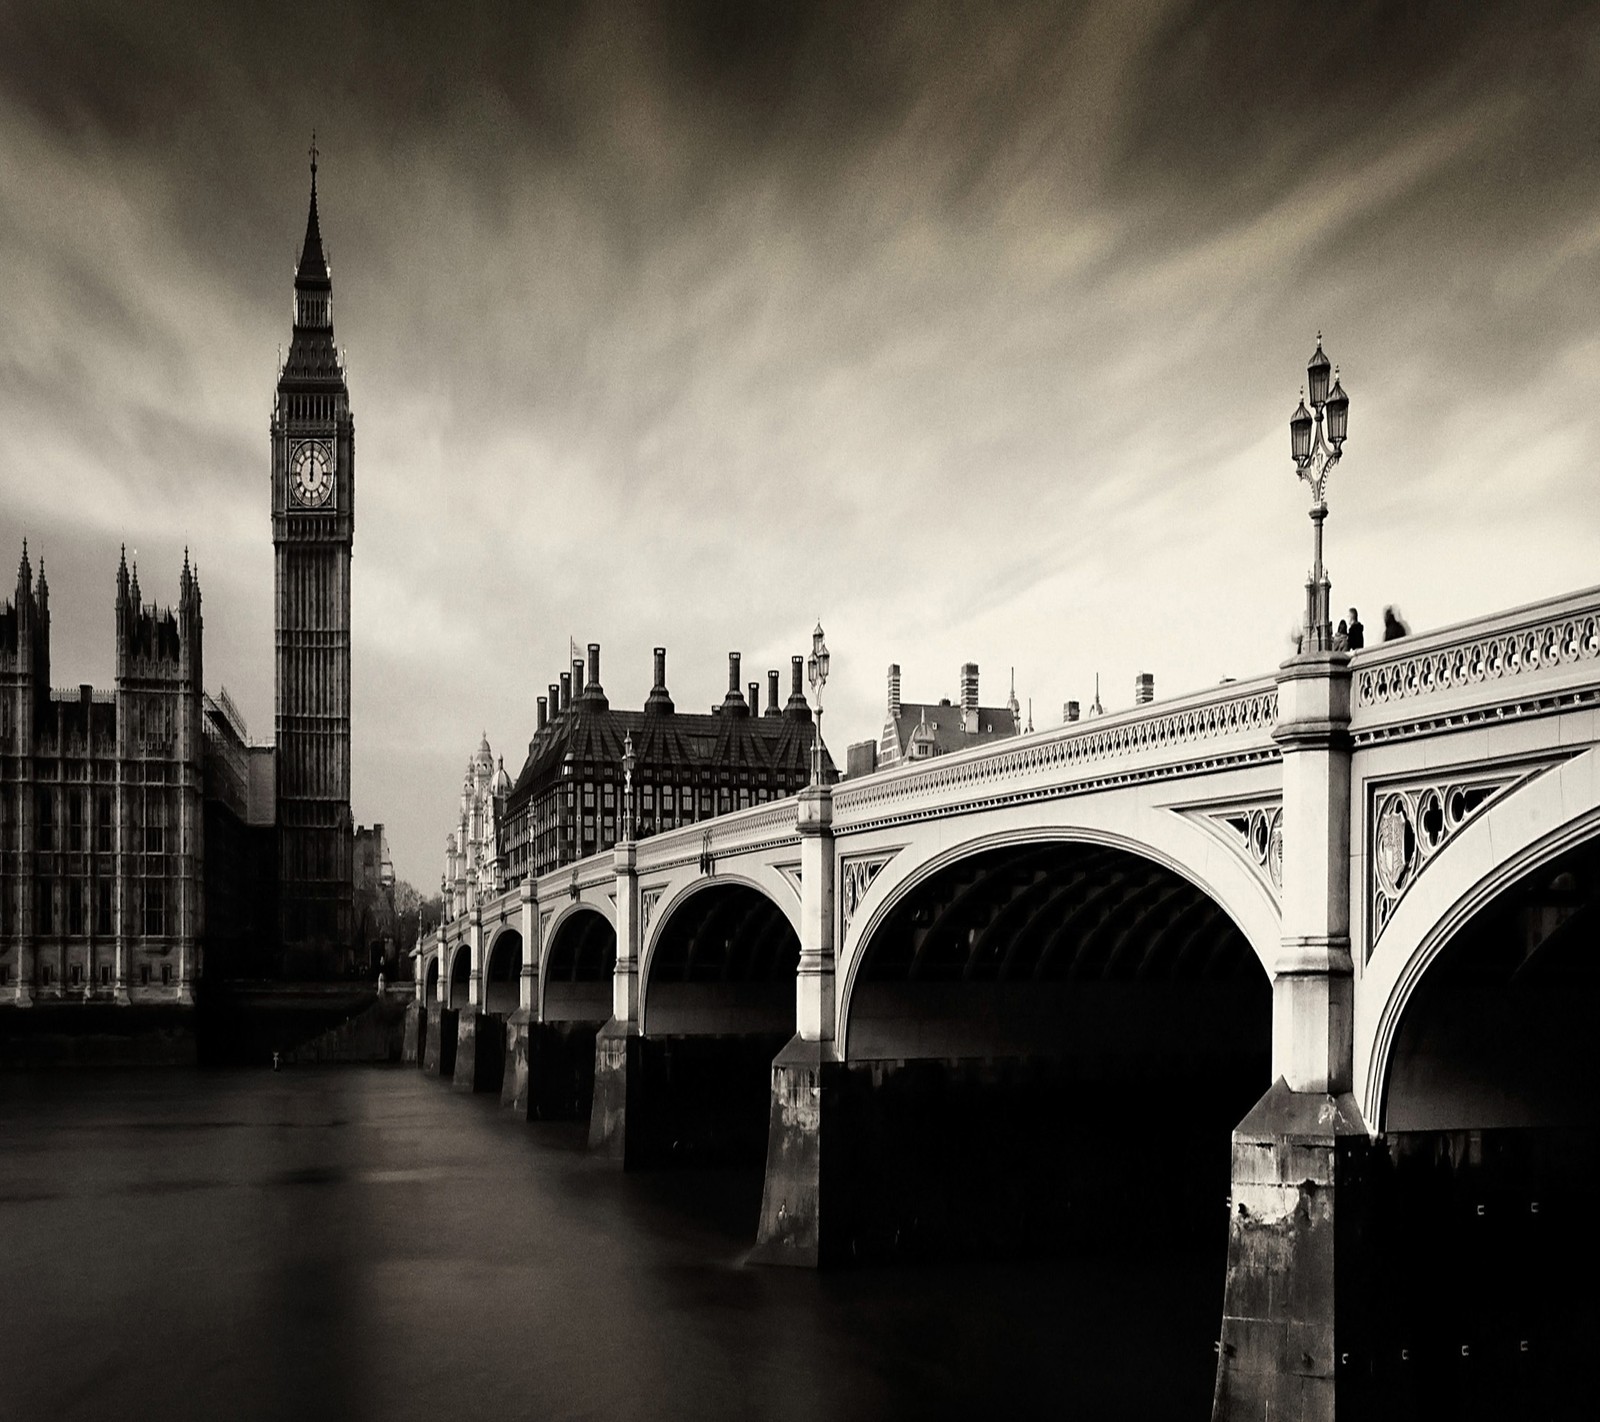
point(313, 528)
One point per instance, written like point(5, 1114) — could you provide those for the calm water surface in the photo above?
point(363, 1243)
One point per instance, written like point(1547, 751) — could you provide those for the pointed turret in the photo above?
point(24, 573)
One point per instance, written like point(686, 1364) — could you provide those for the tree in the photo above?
point(414, 915)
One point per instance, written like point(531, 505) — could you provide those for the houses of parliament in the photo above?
point(143, 837)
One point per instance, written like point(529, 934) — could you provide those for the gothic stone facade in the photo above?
point(101, 844)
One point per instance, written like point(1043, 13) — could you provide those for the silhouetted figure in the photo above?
point(1341, 637)
point(1394, 625)
point(1357, 633)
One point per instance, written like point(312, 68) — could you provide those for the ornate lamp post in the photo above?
point(817, 674)
point(1314, 460)
point(628, 763)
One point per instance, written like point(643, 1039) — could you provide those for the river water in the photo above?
point(352, 1242)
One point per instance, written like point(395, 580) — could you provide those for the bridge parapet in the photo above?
point(1231, 723)
point(1531, 659)
point(739, 831)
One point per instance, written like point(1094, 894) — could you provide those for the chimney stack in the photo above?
point(894, 689)
point(734, 701)
point(1144, 689)
point(566, 690)
point(797, 706)
point(1069, 712)
point(544, 712)
point(659, 699)
point(594, 667)
point(772, 693)
point(577, 677)
point(755, 698)
point(555, 700)
point(969, 696)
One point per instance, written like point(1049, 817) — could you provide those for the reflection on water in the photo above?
point(363, 1243)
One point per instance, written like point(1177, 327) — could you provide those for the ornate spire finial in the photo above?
point(313, 152)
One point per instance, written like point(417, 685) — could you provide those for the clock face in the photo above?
point(311, 473)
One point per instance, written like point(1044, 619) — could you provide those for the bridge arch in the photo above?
point(459, 977)
point(430, 979)
point(1545, 829)
point(756, 961)
point(502, 972)
point(1172, 842)
point(577, 964)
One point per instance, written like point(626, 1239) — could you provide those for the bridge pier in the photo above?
point(1297, 1213)
point(805, 1078)
point(411, 1047)
point(439, 1056)
point(618, 1073)
point(521, 1024)
point(514, 1076)
point(801, 1154)
point(480, 1050)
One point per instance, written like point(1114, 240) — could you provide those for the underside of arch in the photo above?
point(1497, 1031)
point(502, 976)
point(1056, 947)
point(723, 962)
point(579, 961)
point(459, 976)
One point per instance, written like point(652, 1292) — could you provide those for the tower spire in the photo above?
point(312, 270)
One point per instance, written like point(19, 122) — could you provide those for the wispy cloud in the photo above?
point(973, 332)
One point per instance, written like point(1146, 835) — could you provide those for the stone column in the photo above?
point(802, 1145)
point(617, 1057)
point(814, 990)
point(625, 980)
point(1292, 1343)
point(1313, 987)
point(475, 957)
point(532, 949)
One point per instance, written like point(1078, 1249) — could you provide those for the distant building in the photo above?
point(918, 730)
point(374, 898)
point(101, 844)
point(565, 802)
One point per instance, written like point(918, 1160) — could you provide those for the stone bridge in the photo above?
point(1336, 909)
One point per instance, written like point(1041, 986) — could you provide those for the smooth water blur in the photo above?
point(353, 1242)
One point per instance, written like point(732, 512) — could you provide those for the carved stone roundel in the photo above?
point(1396, 846)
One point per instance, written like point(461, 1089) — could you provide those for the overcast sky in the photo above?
point(972, 330)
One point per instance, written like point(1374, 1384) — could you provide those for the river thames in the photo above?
point(363, 1243)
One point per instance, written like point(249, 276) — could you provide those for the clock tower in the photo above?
point(313, 527)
